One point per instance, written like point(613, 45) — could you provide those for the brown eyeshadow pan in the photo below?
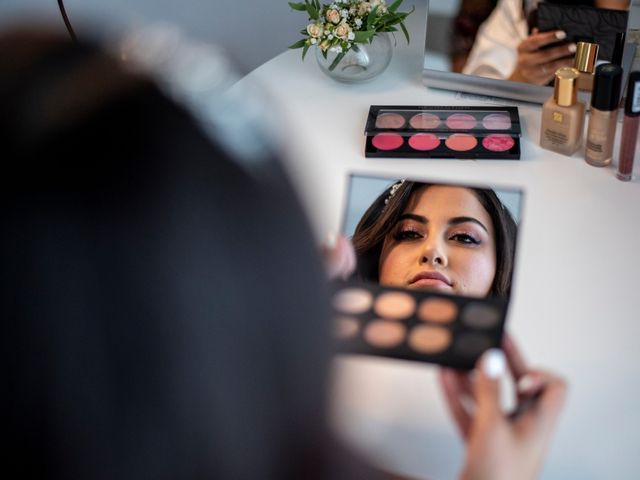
point(428, 339)
point(438, 310)
point(395, 305)
point(385, 333)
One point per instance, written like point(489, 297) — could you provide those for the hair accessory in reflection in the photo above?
point(394, 189)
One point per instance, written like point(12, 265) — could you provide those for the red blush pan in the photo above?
point(387, 141)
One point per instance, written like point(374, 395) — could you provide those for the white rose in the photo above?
point(324, 45)
point(342, 31)
point(364, 8)
point(314, 30)
point(333, 16)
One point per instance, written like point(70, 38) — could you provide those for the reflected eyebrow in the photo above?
point(452, 221)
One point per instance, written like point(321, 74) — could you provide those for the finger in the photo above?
point(492, 367)
point(515, 358)
point(563, 62)
point(554, 53)
point(454, 391)
point(535, 41)
point(550, 399)
point(340, 258)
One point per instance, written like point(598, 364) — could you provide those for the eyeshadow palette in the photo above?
point(443, 132)
point(415, 324)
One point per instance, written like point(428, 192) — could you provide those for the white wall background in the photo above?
point(252, 31)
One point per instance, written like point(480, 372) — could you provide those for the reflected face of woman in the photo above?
point(444, 240)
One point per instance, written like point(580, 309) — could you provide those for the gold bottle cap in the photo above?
point(586, 56)
point(565, 89)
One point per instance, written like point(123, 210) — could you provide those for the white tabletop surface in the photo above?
point(577, 282)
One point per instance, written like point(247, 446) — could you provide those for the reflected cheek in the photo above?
point(475, 274)
point(393, 267)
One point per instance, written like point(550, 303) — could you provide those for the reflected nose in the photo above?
point(433, 254)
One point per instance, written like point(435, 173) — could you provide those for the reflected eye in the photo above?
point(407, 234)
point(465, 238)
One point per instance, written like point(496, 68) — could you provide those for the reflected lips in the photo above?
point(430, 279)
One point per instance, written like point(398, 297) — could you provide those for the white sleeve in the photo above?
point(494, 53)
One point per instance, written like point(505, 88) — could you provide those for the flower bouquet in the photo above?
point(343, 24)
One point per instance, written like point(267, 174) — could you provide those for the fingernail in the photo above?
point(494, 363)
point(526, 383)
point(572, 48)
point(561, 35)
point(331, 241)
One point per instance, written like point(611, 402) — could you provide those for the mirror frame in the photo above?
point(509, 89)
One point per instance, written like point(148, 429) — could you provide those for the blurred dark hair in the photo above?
point(155, 321)
point(382, 216)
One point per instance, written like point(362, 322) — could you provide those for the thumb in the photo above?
point(491, 368)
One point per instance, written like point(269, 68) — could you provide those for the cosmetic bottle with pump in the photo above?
point(563, 115)
point(585, 63)
point(603, 115)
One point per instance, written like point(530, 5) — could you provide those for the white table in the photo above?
point(576, 296)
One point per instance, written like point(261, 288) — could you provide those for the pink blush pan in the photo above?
point(498, 142)
point(461, 121)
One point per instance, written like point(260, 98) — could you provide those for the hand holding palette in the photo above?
point(443, 132)
point(416, 325)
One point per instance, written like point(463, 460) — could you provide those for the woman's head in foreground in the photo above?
point(155, 322)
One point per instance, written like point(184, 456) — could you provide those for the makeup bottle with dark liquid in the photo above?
point(629, 137)
point(563, 115)
point(603, 115)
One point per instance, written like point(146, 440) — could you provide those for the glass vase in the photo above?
point(362, 62)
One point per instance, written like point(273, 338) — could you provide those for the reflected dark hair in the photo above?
point(154, 321)
point(382, 216)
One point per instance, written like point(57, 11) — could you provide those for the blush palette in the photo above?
point(443, 132)
point(416, 325)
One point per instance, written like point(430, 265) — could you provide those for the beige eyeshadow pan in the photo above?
point(438, 310)
point(429, 339)
point(353, 300)
point(385, 333)
point(390, 120)
point(395, 305)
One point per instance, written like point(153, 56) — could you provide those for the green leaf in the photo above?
point(395, 5)
point(406, 33)
point(298, 44)
point(301, 7)
point(362, 37)
point(305, 50)
point(313, 12)
point(336, 61)
point(372, 17)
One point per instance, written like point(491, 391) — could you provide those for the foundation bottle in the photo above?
point(563, 115)
point(603, 115)
point(585, 63)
